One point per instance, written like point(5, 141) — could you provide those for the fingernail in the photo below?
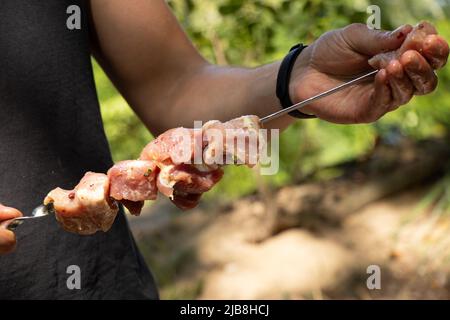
point(402, 31)
point(400, 35)
point(398, 32)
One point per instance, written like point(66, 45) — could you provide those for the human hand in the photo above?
point(343, 54)
point(7, 237)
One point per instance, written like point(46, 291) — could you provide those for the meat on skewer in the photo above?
point(179, 178)
point(132, 182)
point(184, 181)
point(168, 164)
point(239, 140)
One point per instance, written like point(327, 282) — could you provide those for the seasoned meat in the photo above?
point(87, 208)
point(237, 141)
point(133, 180)
point(174, 146)
point(187, 179)
point(183, 175)
point(181, 164)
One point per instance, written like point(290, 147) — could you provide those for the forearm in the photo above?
point(164, 78)
point(210, 92)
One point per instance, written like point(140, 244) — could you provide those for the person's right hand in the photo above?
point(7, 237)
point(341, 55)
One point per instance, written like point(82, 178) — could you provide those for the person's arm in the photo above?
point(163, 77)
point(166, 81)
point(7, 238)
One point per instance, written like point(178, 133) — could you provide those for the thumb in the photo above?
point(7, 213)
point(370, 42)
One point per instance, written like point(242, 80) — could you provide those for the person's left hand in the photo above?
point(7, 237)
point(341, 55)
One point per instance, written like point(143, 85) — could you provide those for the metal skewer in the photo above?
point(41, 211)
point(45, 210)
point(316, 97)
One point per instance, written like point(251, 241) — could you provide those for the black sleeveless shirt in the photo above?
point(51, 134)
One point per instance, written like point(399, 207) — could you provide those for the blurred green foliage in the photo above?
point(254, 32)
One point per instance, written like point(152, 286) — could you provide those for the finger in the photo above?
point(7, 241)
point(401, 87)
point(7, 213)
point(380, 99)
point(419, 71)
point(436, 51)
point(372, 42)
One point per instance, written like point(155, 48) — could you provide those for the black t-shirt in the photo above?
point(51, 134)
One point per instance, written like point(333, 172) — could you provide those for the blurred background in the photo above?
point(345, 197)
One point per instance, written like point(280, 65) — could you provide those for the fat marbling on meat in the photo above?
point(167, 165)
point(181, 178)
point(132, 182)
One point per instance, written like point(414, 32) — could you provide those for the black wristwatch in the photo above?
point(283, 79)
